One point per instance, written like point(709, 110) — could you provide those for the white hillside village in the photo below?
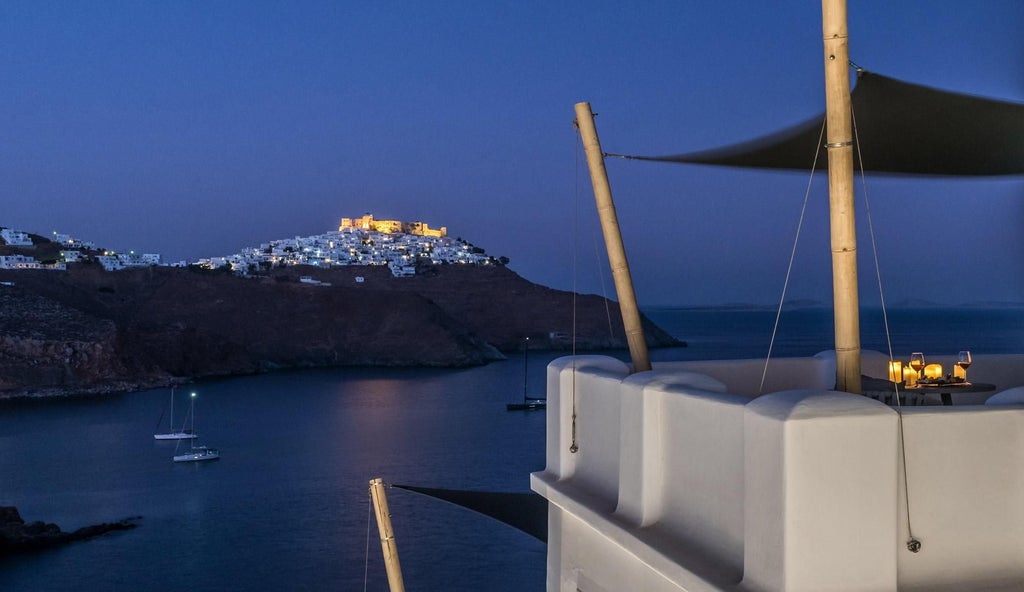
point(358, 241)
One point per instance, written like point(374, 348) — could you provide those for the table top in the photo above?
point(954, 387)
point(869, 383)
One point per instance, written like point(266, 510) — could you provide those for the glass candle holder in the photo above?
point(895, 371)
point(909, 376)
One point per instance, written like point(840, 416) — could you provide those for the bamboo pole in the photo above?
point(613, 239)
point(387, 536)
point(841, 204)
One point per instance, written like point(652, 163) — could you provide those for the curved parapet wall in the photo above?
point(678, 483)
point(820, 485)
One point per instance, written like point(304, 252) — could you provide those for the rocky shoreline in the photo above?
point(85, 331)
point(17, 536)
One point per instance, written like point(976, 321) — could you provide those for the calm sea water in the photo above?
point(727, 334)
point(287, 508)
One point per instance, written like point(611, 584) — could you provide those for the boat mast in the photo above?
point(613, 239)
point(526, 348)
point(192, 412)
point(840, 187)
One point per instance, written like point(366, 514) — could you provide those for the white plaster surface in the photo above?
point(686, 479)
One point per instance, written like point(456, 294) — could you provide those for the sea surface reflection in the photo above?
point(287, 506)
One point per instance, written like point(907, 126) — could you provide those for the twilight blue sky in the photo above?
point(197, 128)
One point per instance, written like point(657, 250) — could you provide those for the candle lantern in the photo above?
point(895, 371)
point(933, 371)
point(959, 372)
point(910, 376)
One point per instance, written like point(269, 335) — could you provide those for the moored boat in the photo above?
point(528, 403)
point(182, 434)
point(195, 453)
point(198, 453)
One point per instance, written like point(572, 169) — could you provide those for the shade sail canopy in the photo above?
point(526, 511)
point(900, 128)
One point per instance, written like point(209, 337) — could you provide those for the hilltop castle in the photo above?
point(391, 226)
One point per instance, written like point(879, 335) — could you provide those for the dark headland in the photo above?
point(86, 330)
point(17, 536)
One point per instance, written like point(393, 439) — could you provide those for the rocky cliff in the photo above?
point(86, 330)
point(17, 536)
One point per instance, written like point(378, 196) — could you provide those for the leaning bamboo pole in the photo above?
point(613, 239)
point(840, 187)
point(387, 536)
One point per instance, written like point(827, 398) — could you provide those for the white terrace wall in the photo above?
point(820, 491)
point(591, 394)
point(965, 470)
point(743, 377)
point(688, 420)
point(680, 485)
point(650, 468)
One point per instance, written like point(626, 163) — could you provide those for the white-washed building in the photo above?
point(18, 262)
point(110, 262)
point(138, 260)
point(401, 269)
point(354, 246)
point(69, 241)
point(15, 238)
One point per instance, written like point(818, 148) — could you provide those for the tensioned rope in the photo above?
point(792, 257)
point(604, 289)
point(913, 545)
point(573, 447)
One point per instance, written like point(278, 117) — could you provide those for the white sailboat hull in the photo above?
point(174, 436)
point(198, 454)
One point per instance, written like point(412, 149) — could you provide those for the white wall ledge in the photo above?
point(680, 483)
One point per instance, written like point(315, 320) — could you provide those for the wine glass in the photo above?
point(963, 359)
point(917, 363)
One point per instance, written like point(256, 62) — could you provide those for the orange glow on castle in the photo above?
point(391, 226)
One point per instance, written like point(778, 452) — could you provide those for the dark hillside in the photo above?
point(86, 330)
point(500, 306)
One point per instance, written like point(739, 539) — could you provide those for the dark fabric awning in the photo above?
point(901, 128)
point(526, 511)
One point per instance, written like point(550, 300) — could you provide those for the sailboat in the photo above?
point(196, 453)
point(181, 434)
point(529, 403)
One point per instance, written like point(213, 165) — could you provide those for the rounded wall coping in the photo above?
point(1012, 396)
point(810, 404)
point(666, 379)
point(608, 363)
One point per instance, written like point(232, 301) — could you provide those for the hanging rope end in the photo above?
point(913, 545)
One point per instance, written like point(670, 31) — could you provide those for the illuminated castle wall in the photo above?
point(390, 226)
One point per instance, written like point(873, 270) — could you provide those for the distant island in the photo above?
point(364, 241)
point(916, 304)
point(85, 329)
